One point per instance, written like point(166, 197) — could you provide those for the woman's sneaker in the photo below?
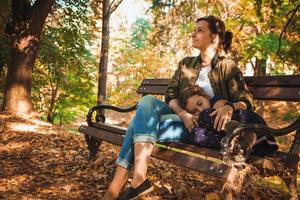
point(134, 193)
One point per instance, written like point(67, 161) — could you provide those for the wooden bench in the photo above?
point(208, 161)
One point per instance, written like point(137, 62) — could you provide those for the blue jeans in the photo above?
point(154, 121)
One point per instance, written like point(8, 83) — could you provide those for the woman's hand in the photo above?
point(222, 114)
point(190, 121)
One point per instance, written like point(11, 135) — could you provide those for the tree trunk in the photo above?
point(51, 111)
point(260, 70)
point(101, 97)
point(2, 64)
point(260, 67)
point(25, 31)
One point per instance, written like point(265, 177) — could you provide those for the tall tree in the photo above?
point(5, 10)
point(25, 29)
point(107, 9)
point(64, 74)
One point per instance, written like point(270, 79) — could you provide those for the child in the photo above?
point(197, 102)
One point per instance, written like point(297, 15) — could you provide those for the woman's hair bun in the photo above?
point(227, 40)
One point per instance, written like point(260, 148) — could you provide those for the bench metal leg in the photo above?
point(233, 191)
point(291, 183)
point(93, 146)
point(291, 180)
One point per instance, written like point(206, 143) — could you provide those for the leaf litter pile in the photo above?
point(42, 161)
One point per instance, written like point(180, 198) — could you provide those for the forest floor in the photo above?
point(42, 161)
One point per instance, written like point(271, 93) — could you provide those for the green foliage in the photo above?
point(141, 29)
point(256, 25)
point(187, 28)
point(132, 66)
point(289, 116)
point(264, 45)
point(161, 4)
point(65, 70)
point(135, 61)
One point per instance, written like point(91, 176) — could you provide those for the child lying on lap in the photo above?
point(198, 103)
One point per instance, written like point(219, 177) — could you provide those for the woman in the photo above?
point(158, 121)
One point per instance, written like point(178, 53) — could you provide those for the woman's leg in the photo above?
point(124, 163)
point(117, 184)
point(146, 126)
point(142, 154)
point(138, 144)
point(171, 129)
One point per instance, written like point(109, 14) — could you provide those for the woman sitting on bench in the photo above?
point(217, 74)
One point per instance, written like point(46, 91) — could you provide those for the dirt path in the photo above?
point(41, 161)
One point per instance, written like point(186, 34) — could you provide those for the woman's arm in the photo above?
point(238, 93)
point(172, 94)
point(224, 110)
point(172, 91)
point(189, 120)
point(240, 105)
point(238, 89)
point(237, 105)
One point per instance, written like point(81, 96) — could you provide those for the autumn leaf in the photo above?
point(212, 196)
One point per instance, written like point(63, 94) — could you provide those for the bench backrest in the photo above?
point(279, 88)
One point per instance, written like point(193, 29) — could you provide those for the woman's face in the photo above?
point(196, 104)
point(202, 36)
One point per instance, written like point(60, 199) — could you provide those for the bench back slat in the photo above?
point(276, 93)
point(263, 81)
point(277, 88)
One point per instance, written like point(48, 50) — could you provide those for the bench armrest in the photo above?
point(263, 128)
point(229, 137)
point(102, 107)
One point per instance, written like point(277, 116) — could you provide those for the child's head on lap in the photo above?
point(194, 99)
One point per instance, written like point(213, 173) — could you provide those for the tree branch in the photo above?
point(252, 64)
point(41, 9)
point(110, 6)
point(113, 6)
point(285, 28)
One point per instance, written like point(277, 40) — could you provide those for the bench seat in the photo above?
point(208, 161)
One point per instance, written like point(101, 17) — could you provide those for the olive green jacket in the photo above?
point(225, 78)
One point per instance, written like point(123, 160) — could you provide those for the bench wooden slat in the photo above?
point(103, 134)
point(107, 128)
point(112, 128)
point(196, 149)
point(153, 89)
point(203, 165)
point(157, 81)
point(287, 80)
point(218, 170)
point(111, 134)
point(254, 81)
point(279, 88)
point(262, 93)
point(276, 93)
